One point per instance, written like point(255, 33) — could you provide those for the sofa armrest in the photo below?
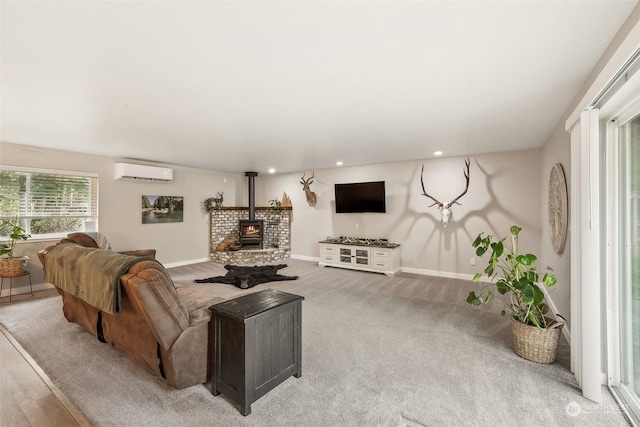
point(150, 283)
point(148, 253)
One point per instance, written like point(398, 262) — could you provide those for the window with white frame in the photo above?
point(47, 203)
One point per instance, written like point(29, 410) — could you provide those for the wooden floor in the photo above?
point(27, 396)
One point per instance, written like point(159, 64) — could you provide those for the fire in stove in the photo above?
point(251, 230)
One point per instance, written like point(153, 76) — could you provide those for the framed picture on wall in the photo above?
point(161, 209)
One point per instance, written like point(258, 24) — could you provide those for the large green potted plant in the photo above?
point(10, 265)
point(535, 336)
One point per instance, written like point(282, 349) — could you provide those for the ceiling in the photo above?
point(235, 86)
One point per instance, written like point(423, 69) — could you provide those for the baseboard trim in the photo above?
point(24, 289)
point(187, 262)
point(305, 258)
point(436, 273)
point(421, 271)
point(565, 330)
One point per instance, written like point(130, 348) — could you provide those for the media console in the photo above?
point(378, 258)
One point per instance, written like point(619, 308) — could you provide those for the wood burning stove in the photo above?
point(251, 233)
point(252, 229)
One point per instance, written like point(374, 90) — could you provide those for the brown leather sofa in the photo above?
point(163, 328)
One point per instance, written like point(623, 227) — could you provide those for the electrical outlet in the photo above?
point(357, 226)
point(473, 261)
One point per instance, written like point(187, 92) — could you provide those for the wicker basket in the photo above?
point(13, 266)
point(536, 344)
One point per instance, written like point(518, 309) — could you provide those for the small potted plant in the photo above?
point(535, 336)
point(9, 264)
point(212, 204)
point(276, 208)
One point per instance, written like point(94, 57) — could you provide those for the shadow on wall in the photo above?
point(491, 205)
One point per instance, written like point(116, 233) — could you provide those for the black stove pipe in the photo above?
point(252, 194)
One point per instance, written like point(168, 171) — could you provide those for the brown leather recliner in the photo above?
point(163, 328)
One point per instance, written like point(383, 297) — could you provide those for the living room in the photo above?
point(495, 199)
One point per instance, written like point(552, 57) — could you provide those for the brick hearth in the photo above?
point(225, 225)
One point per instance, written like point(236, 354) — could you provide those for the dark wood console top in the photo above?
point(253, 304)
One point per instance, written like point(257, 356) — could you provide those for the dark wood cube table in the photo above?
point(256, 344)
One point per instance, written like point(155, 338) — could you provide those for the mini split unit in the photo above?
point(131, 172)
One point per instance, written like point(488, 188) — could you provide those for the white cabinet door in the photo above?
point(353, 255)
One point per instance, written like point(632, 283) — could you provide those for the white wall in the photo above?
point(557, 150)
point(504, 190)
point(120, 203)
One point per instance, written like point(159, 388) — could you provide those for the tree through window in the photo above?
point(47, 203)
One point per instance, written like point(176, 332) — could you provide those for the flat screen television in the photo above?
point(360, 197)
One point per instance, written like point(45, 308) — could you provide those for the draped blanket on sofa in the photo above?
point(90, 274)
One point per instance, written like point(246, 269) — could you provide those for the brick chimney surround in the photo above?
point(225, 224)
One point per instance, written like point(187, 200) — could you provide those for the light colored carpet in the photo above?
point(377, 351)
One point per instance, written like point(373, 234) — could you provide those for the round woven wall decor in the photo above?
point(558, 208)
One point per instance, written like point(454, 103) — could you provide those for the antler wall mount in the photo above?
point(445, 208)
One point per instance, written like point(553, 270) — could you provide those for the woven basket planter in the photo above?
point(536, 344)
point(13, 266)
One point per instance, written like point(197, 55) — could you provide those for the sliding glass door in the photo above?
point(624, 260)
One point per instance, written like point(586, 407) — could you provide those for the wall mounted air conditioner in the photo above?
point(133, 172)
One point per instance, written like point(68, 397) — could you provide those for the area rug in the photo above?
point(376, 351)
point(245, 277)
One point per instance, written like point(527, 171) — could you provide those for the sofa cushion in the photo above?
point(83, 239)
point(197, 304)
